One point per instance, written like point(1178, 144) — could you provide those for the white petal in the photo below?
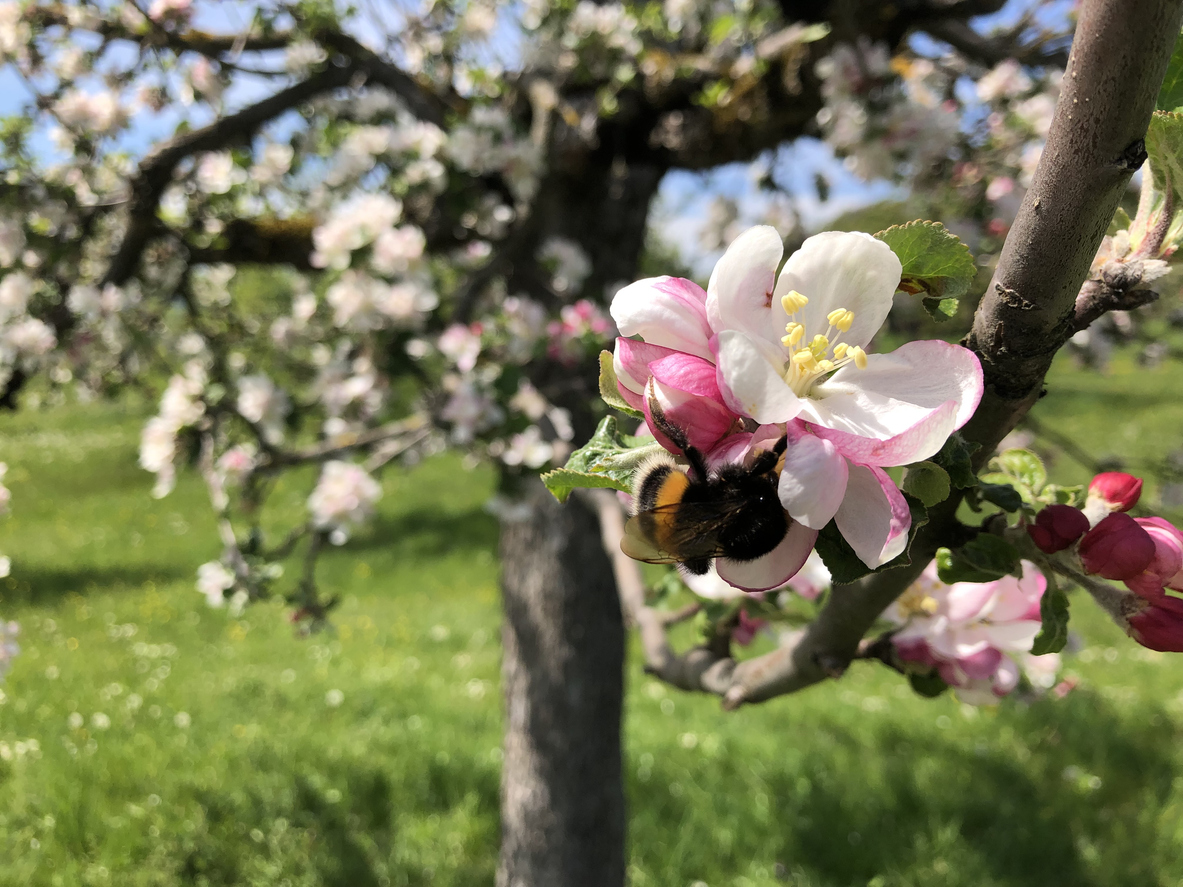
point(873, 518)
point(904, 404)
point(840, 269)
point(813, 481)
point(666, 311)
point(739, 294)
point(751, 381)
point(773, 569)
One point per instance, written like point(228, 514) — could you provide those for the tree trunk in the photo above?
point(562, 801)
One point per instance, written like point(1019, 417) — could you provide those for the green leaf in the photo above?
point(1054, 494)
point(982, 559)
point(1164, 147)
point(928, 685)
point(935, 262)
point(1170, 95)
point(1024, 466)
point(597, 464)
point(928, 482)
point(1053, 612)
point(956, 457)
point(1004, 496)
point(608, 390)
point(940, 310)
point(844, 565)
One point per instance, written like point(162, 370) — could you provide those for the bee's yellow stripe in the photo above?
point(668, 494)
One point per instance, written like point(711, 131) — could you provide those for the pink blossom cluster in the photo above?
point(970, 632)
point(1144, 553)
point(577, 323)
point(344, 496)
point(8, 645)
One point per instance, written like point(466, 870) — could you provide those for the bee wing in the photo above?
point(692, 536)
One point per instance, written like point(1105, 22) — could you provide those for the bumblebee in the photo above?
point(690, 518)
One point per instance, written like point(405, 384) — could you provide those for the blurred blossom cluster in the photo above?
point(976, 636)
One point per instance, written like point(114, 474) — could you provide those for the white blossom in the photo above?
point(345, 494)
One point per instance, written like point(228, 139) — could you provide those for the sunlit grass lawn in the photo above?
point(145, 739)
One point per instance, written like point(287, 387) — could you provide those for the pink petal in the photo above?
point(980, 665)
point(739, 294)
point(813, 481)
point(631, 361)
point(668, 311)
point(687, 373)
point(966, 601)
point(1018, 599)
point(701, 419)
point(873, 518)
point(773, 569)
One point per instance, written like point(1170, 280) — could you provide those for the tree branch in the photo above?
point(156, 170)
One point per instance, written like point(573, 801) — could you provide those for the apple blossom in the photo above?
point(214, 580)
point(345, 494)
point(791, 349)
point(969, 631)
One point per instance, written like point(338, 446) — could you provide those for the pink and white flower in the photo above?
point(345, 494)
point(791, 350)
point(969, 631)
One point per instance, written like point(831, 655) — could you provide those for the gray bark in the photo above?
point(562, 800)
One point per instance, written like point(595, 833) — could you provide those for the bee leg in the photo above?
point(698, 566)
point(767, 459)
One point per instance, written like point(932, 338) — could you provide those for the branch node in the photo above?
point(1133, 156)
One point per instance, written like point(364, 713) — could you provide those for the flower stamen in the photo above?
point(793, 301)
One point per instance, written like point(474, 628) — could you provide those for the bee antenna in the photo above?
point(677, 437)
point(781, 444)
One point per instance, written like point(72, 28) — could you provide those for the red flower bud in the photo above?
point(1116, 489)
point(1160, 625)
point(1117, 548)
point(1057, 527)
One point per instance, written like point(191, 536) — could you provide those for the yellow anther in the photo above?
point(859, 355)
point(840, 350)
point(843, 323)
point(787, 341)
point(805, 359)
point(820, 345)
point(795, 332)
point(825, 365)
point(793, 301)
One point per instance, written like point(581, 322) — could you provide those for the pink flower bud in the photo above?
point(1057, 527)
point(745, 632)
point(1117, 490)
point(1117, 548)
point(1166, 567)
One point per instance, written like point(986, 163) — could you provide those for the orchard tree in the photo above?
point(346, 238)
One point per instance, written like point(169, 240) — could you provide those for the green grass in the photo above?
point(224, 762)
